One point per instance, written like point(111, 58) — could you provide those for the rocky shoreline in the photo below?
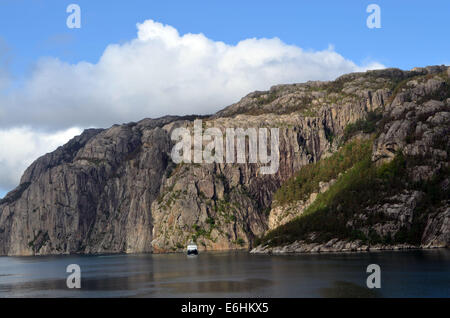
point(335, 246)
point(290, 249)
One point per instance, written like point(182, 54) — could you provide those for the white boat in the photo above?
point(192, 249)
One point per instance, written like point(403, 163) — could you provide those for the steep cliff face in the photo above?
point(118, 190)
point(90, 196)
point(397, 196)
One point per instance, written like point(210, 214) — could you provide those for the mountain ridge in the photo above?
point(117, 190)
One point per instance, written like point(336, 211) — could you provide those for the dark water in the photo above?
point(230, 274)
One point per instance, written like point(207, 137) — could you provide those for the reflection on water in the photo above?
point(229, 274)
point(348, 290)
point(218, 286)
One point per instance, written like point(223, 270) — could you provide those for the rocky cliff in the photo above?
point(117, 190)
point(395, 196)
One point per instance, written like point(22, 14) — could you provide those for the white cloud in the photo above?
point(21, 146)
point(160, 72)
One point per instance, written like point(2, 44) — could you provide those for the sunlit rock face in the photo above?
point(117, 190)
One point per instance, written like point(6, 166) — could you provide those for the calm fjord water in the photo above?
point(230, 274)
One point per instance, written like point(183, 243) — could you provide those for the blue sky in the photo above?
point(413, 33)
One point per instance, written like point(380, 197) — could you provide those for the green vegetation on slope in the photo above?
point(328, 215)
point(306, 181)
point(364, 185)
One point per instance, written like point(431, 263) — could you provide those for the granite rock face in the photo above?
point(117, 190)
point(415, 124)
